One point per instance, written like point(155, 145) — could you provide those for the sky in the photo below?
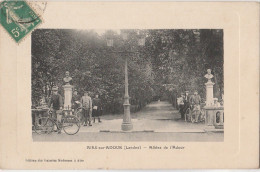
point(102, 31)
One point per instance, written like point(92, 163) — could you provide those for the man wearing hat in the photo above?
point(195, 101)
point(86, 104)
point(56, 103)
point(180, 102)
point(186, 102)
point(75, 100)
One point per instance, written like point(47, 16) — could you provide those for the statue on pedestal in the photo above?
point(209, 75)
point(67, 80)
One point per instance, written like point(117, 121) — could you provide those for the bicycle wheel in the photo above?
point(78, 113)
point(43, 125)
point(202, 115)
point(70, 124)
point(188, 114)
point(193, 116)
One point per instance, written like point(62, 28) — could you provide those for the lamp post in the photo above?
point(127, 124)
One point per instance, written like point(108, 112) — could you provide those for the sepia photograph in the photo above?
point(127, 85)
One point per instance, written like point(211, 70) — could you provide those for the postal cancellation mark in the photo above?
point(18, 19)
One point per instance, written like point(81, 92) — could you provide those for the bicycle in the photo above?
point(45, 125)
point(190, 114)
point(79, 114)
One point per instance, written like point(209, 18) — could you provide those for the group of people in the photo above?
point(90, 107)
point(189, 101)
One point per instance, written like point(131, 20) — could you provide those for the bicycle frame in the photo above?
point(69, 123)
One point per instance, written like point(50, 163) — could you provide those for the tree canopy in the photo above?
point(176, 57)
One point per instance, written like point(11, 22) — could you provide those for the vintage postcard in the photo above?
point(129, 85)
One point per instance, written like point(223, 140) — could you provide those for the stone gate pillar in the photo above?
point(209, 93)
point(209, 89)
point(67, 96)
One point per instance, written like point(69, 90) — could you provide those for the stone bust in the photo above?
point(67, 80)
point(209, 76)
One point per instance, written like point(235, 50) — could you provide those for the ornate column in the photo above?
point(209, 94)
point(211, 108)
point(209, 89)
point(210, 117)
point(127, 124)
point(67, 96)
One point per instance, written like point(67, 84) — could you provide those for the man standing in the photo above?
point(186, 101)
point(56, 103)
point(86, 104)
point(195, 101)
point(75, 100)
point(97, 108)
point(180, 102)
point(186, 96)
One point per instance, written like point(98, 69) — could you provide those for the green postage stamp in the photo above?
point(18, 18)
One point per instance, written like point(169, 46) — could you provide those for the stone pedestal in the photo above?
point(211, 116)
point(209, 93)
point(127, 124)
point(67, 96)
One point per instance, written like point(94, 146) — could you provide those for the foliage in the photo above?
point(176, 57)
point(181, 58)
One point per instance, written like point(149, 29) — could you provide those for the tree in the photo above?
point(176, 57)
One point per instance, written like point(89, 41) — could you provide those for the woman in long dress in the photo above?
point(97, 108)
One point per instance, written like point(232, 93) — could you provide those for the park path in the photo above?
point(158, 121)
point(162, 110)
point(160, 116)
point(159, 110)
point(156, 116)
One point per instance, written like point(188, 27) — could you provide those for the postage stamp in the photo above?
point(18, 19)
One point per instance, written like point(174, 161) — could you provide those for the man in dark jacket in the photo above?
point(180, 102)
point(86, 104)
point(56, 104)
point(186, 102)
point(75, 100)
